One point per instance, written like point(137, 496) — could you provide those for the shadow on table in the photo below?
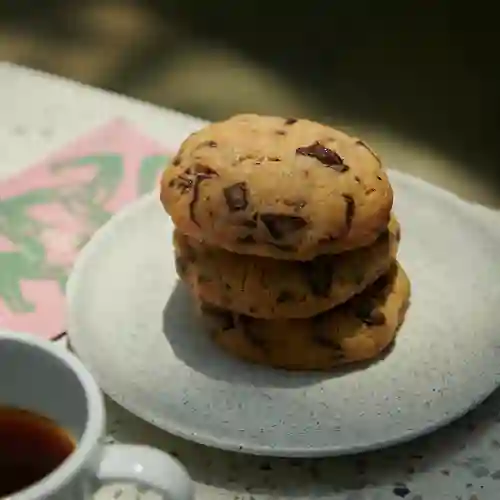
point(455, 447)
point(192, 344)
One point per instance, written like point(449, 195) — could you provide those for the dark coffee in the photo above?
point(31, 447)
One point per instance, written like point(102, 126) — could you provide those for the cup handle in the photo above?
point(148, 467)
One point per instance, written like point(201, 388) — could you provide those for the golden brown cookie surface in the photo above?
point(358, 330)
point(270, 288)
point(283, 188)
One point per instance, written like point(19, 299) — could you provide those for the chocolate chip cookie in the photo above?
point(283, 188)
point(270, 288)
point(357, 330)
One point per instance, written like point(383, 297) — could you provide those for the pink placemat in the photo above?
point(51, 209)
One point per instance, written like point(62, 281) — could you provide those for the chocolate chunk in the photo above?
point(284, 296)
point(281, 225)
point(274, 158)
point(318, 274)
point(291, 121)
point(172, 183)
point(325, 155)
point(296, 204)
point(366, 311)
point(236, 196)
point(246, 239)
point(379, 178)
point(177, 160)
point(281, 132)
point(357, 179)
point(201, 173)
point(218, 318)
point(350, 208)
point(194, 199)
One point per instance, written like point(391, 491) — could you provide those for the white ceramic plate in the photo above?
point(133, 324)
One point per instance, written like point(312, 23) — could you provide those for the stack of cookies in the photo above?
point(285, 237)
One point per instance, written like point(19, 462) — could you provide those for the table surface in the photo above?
point(40, 113)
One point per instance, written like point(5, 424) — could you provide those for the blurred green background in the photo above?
point(419, 79)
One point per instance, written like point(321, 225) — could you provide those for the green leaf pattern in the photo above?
point(85, 200)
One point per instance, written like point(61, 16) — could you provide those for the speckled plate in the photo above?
point(134, 326)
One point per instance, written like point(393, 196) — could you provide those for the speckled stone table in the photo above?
point(459, 462)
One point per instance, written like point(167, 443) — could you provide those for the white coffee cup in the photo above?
point(39, 376)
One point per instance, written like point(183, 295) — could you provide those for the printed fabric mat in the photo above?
point(50, 210)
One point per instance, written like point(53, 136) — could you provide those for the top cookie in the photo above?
point(282, 188)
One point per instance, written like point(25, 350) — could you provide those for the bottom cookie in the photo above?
point(355, 331)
